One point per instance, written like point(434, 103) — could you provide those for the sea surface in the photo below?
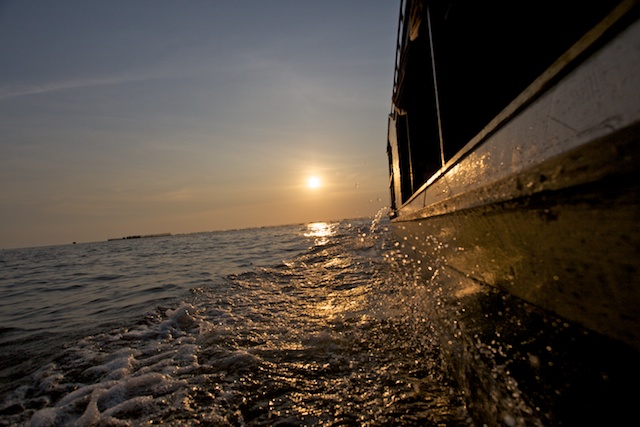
point(310, 324)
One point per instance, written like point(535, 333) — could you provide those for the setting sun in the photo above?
point(313, 182)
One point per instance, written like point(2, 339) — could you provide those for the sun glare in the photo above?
point(313, 182)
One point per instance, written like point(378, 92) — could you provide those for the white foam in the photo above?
point(91, 415)
point(82, 392)
point(46, 417)
point(127, 372)
point(128, 407)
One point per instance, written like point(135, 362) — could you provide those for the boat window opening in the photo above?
point(482, 62)
point(404, 153)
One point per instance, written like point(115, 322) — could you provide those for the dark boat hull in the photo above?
point(528, 237)
point(573, 251)
point(544, 202)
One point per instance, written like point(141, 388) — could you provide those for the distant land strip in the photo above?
point(140, 236)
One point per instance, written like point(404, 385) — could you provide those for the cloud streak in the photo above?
point(59, 86)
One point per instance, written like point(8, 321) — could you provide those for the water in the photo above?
point(316, 324)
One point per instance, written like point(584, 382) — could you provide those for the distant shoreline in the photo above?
point(145, 236)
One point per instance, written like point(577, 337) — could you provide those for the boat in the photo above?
point(514, 152)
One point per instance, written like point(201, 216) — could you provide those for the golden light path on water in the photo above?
point(332, 306)
point(321, 231)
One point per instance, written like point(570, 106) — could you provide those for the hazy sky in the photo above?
point(149, 116)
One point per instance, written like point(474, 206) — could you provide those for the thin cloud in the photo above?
point(58, 86)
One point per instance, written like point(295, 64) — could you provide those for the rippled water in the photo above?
point(313, 324)
point(52, 288)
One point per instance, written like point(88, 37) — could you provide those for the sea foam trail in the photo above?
point(329, 337)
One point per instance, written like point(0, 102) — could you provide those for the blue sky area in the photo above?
point(150, 116)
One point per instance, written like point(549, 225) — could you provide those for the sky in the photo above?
point(148, 116)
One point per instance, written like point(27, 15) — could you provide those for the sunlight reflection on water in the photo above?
point(321, 231)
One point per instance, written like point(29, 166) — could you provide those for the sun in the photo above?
point(313, 182)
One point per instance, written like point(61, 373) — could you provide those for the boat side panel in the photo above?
point(574, 252)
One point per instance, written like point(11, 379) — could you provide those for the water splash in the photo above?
point(375, 223)
point(517, 364)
